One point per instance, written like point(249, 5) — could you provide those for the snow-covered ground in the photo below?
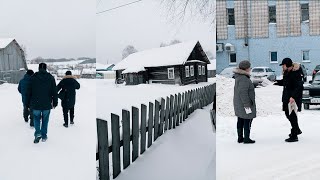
point(187, 152)
point(270, 157)
point(67, 154)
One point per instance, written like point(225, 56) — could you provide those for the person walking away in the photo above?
point(41, 98)
point(292, 88)
point(244, 101)
point(22, 88)
point(67, 88)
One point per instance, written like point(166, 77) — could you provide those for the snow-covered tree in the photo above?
point(175, 41)
point(128, 50)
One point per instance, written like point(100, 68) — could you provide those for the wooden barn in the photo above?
point(12, 61)
point(182, 64)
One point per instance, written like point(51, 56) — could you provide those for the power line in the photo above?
point(118, 7)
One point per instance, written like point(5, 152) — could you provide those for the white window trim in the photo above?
point(203, 70)
point(199, 70)
point(305, 61)
point(232, 63)
point(191, 71)
point(170, 69)
point(187, 70)
point(273, 62)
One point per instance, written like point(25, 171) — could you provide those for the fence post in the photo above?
point(126, 138)
point(156, 120)
point(182, 106)
point(175, 112)
point(150, 124)
point(171, 111)
point(143, 128)
point(115, 145)
point(179, 110)
point(135, 133)
point(103, 146)
point(167, 114)
point(162, 114)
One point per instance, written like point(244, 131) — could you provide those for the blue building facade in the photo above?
point(274, 43)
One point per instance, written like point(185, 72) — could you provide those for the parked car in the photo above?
point(228, 72)
point(311, 92)
point(259, 73)
point(304, 71)
point(316, 69)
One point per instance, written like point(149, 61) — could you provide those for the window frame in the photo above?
point(275, 14)
point(308, 55)
point(199, 70)
point(228, 19)
point(232, 63)
point(203, 70)
point(191, 71)
point(187, 71)
point(170, 69)
point(302, 10)
point(270, 57)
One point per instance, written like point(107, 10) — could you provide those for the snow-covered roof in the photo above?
point(134, 69)
point(212, 65)
point(89, 71)
point(102, 66)
point(165, 56)
point(4, 42)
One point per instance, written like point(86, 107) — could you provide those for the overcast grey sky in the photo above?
point(144, 25)
point(55, 28)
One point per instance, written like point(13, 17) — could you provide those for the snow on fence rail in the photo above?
point(162, 116)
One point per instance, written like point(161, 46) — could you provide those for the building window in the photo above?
point(272, 14)
point(304, 12)
point(170, 73)
point(274, 57)
point(203, 70)
point(187, 71)
point(305, 56)
point(230, 13)
point(191, 71)
point(232, 58)
point(199, 70)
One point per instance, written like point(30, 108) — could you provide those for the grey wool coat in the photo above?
point(244, 95)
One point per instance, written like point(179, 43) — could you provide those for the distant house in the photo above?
point(88, 73)
point(212, 69)
point(182, 64)
point(104, 67)
point(12, 61)
point(104, 71)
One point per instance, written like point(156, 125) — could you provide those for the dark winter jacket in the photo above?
point(23, 86)
point(42, 92)
point(292, 87)
point(244, 95)
point(69, 85)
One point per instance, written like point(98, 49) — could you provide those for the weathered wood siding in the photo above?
point(160, 75)
point(136, 78)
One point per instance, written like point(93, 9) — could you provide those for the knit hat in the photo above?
point(43, 66)
point(30, 72)
point(68, 73)
point(244, 65)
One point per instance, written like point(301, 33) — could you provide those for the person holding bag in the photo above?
point(244, 101)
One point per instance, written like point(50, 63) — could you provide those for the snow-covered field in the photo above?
point(270, 157)
point(69, 153)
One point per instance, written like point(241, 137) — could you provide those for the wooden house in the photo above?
point(182, 64)
point(12, 61)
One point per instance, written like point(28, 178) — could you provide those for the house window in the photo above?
point(203, 70)
point(272, 14)
point(187, 71)
point(230, 13)
point(199, 70)
point(304, 12)
point(274, 57)
point(131, 77)
point(232, 58)
point(191, 71)
point(170, 73)
point(305, 56)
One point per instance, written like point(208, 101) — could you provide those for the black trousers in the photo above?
point(27, 113)
point(66, 112)
point(244, 123)
point(293, 121)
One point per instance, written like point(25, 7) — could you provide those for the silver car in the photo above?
point(258, 74)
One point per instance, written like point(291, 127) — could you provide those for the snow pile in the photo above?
point(212, 65)
point(225, 90)
point(134, 69)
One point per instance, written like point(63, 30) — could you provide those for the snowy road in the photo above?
point(271, 157)
point(187, 152)
point(68, 153)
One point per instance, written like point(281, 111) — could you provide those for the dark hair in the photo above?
point(30, 72)
point(43, 66)
point(68, 73)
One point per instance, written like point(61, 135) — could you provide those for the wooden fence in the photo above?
point(162, 116)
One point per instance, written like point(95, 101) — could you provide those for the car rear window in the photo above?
point(317, 67)
point(257, 70)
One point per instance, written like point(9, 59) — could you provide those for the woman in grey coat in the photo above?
point(244, 101)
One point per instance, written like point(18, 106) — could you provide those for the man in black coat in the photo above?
point(68, 86)
point(42, 97)
point(22, 88)
point(292, 86)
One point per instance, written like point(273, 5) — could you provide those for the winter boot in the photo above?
point(44, 139)
point(292, 139)
point(36, 140)
point(65, 125)
point(240, 135)
point(298, 132)
point(247, 139)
